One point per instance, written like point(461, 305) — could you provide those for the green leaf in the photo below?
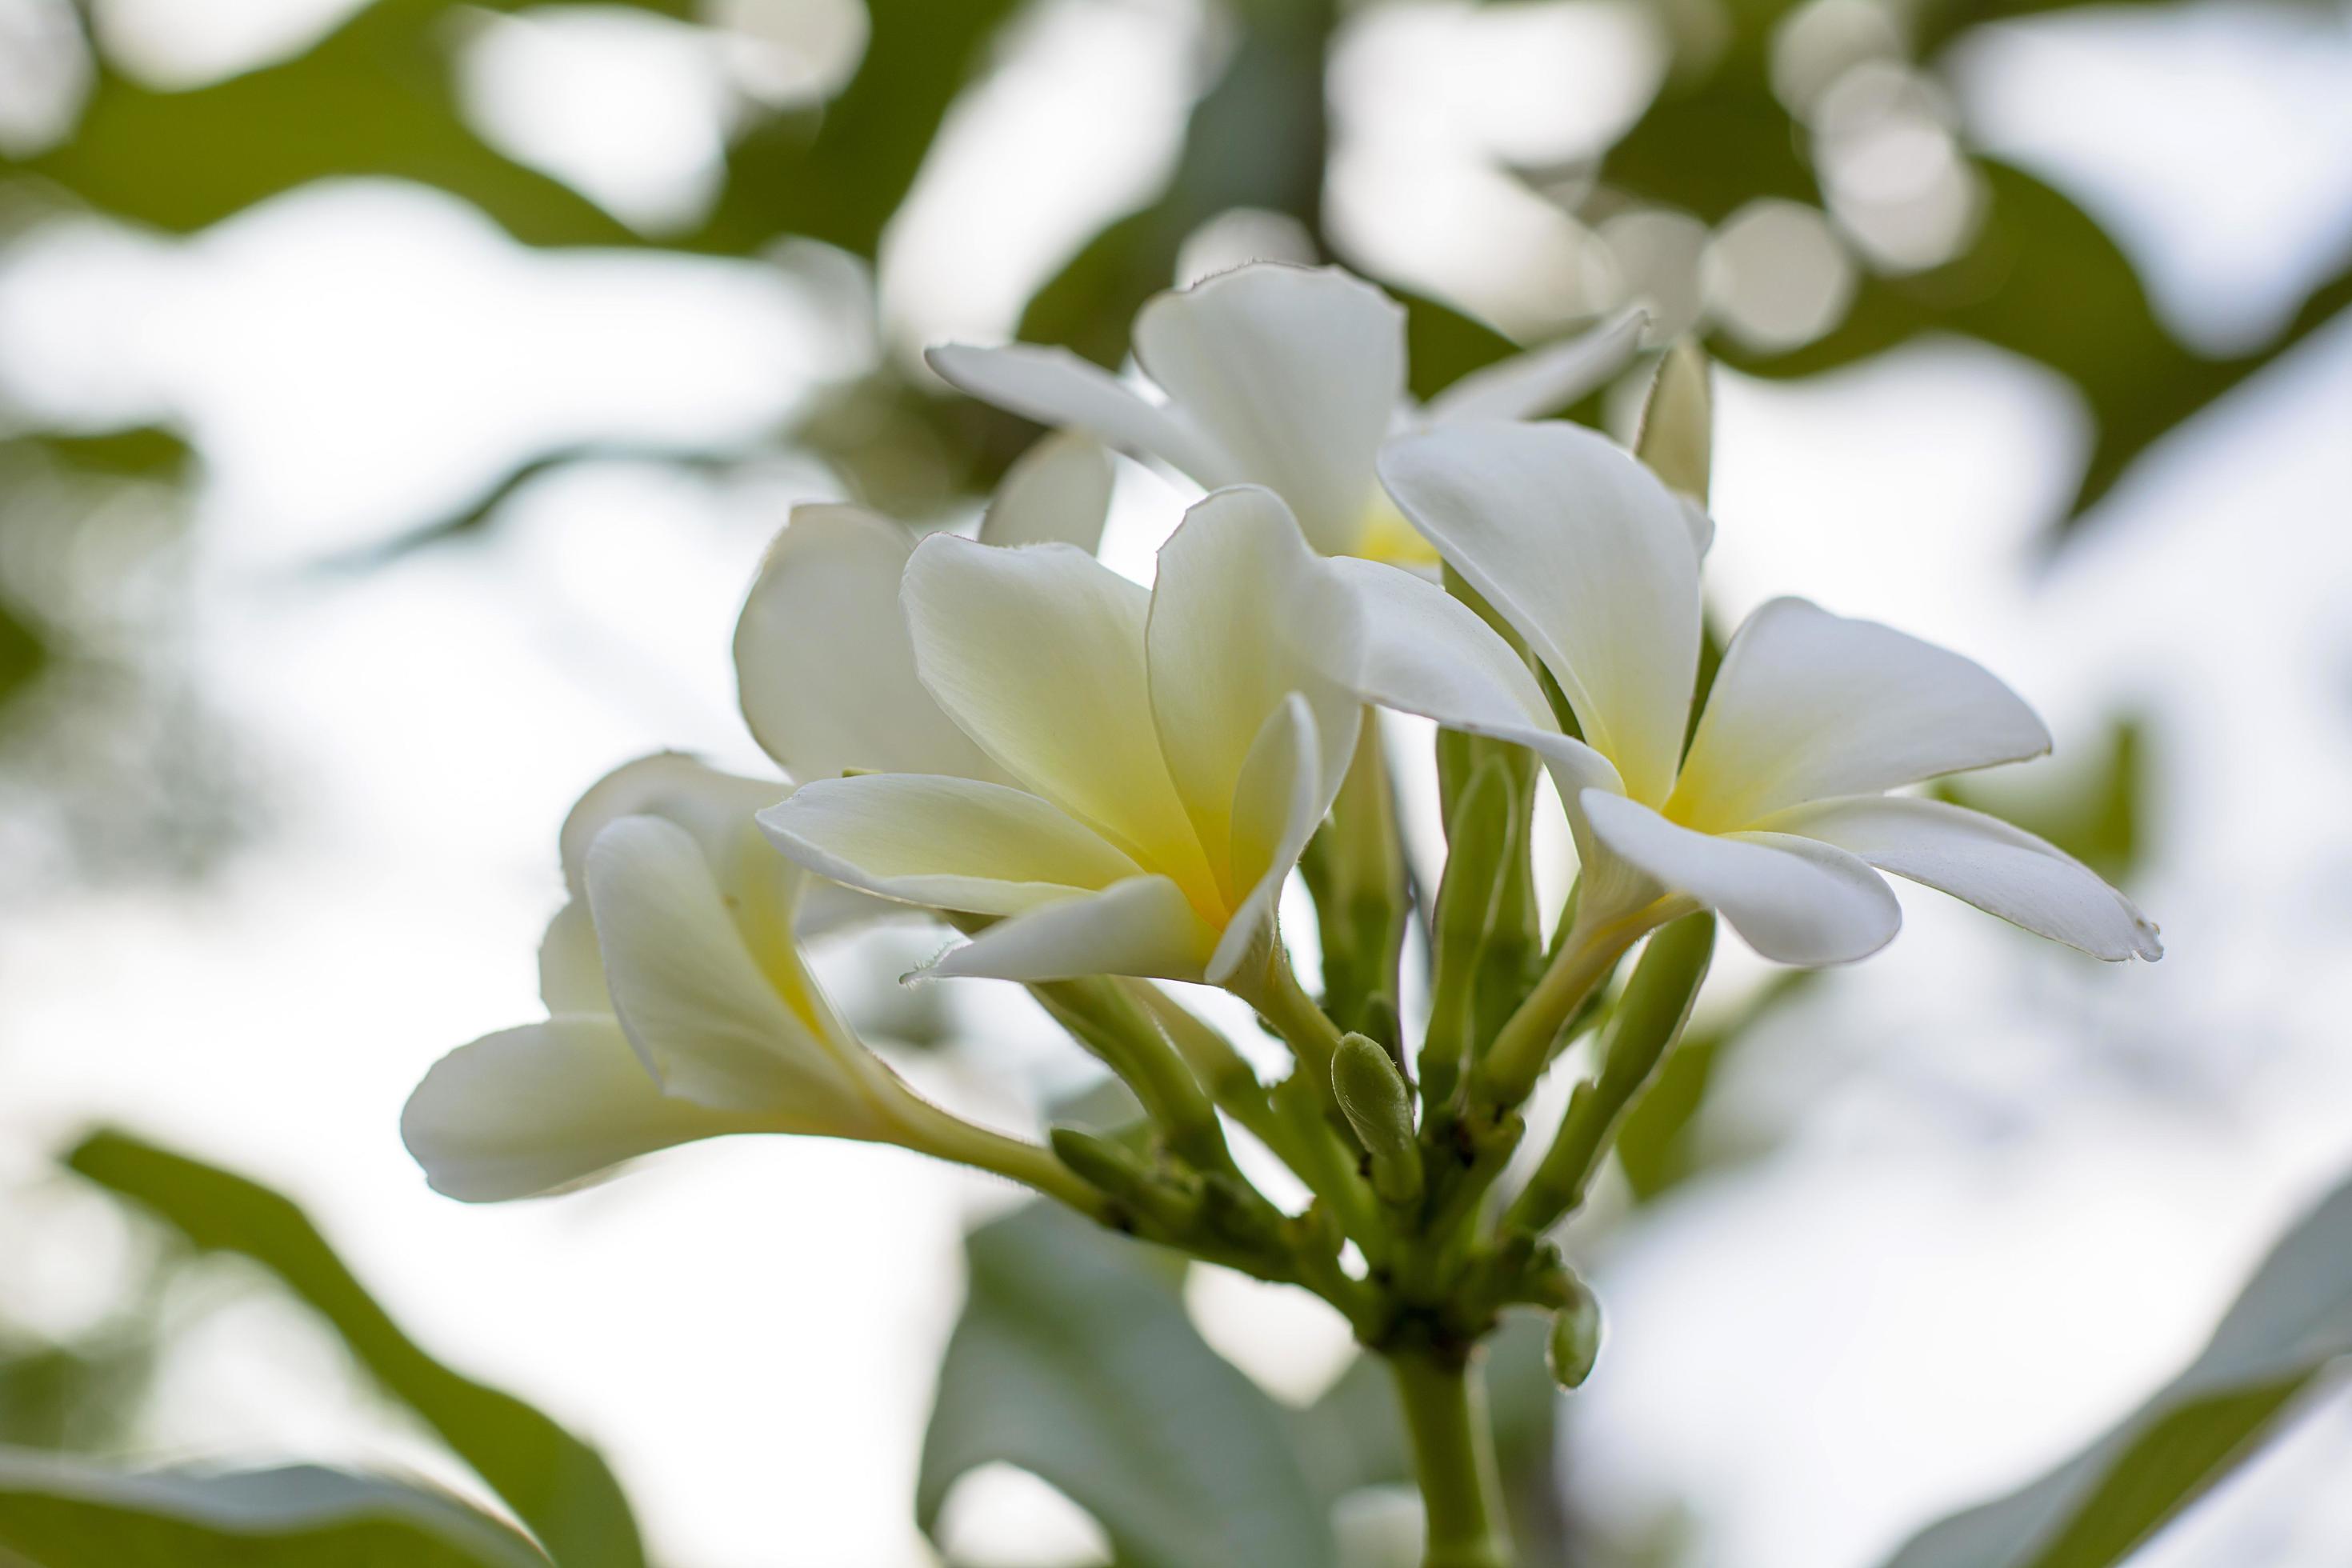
point(374, 98)
point(60, 1514)
point(555, 1483)
point(24, 652)
point(838, 176)
point(1658, 1144)
point(2093, 812)
point(1074, 1360)
point(1256, 138)
point(2291, 1322)
point(141, 452)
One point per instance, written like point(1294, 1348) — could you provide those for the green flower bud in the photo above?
point(1575, 1341)
point(1373, 1097)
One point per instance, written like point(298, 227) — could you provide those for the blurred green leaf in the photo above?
point(555, 1483)
point(1658, 1144)
point(58, 1514)
point(838, 176)
point(1255, 139)
point(1443, 345)
point(142, 452)
point(2292, 1321)
point(24, 652)
point(1074, 1360)
point(2092, 813)
point(374, 98)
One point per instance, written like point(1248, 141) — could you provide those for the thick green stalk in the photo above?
point(1444, 1403)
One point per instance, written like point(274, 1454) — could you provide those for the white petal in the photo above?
point(823, 662)
point(1056, 493)
point(1278, 803)
point(712, 806)
point(1295, 372)
point(1587, 555)
point(545, 1107)
point(1417, 648)
point(1793, 899)
point(1235, 606)
point(1038, 654)
point(1543, 380)
point(570, 969)
point(707, 1019)
point(1143, 926)
point(2001, 869)
point(1808, 706)
point(953, 843)
point(1056, 388)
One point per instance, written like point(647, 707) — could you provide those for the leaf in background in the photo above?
point(60, 1514)
point(1658, 1144)
point(1256, 138)
point(2093, 813)
point(141, 452)
point(374, 98)
point(839, 178)
point(556, 1484)
point(24, 652)
point(1074, 1360)
point(2291, 1322)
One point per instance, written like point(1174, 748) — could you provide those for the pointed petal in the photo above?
point(1056, 493)
point(1038, 654)
point(1279, 802)
point(1587, 555)
point(823, 663)
point(953, 843)
point(2002, 870)
point(1295, 372)
point(1235, 608)
point(544, 1108)
point(1415, 648)
point(1543, 380)
point(1143, 926)
point(1810, 705)
point(1059, 390)
point(704, 1018)
point(570, 969)
point(1793, 899)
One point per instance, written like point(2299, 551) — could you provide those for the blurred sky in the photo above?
point(2015, 1186)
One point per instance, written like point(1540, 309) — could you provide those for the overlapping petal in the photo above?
point(1143, 926)
point(1587, 555)
point(953, 844)
point(546, 1107)
point(1039, 654)
point(2003, 870)
point(1238, 602)
point(711, 1021)
point(1282, 790)
point(1793, 899)
point(823, 663)
point(1810, 705)
point(1057, 492)
point(1295, 372)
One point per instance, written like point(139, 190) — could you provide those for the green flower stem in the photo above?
point(931, 1130)
point(1230, 1080)
point(1523, 1047)
point(1116, 1027)
point(1313, 1038)
point(1444, 1403)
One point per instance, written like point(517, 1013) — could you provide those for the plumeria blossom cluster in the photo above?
point(1101, 787)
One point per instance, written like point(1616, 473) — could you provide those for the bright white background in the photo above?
point(2014, 1187)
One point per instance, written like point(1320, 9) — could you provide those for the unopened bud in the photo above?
point(1676, 439)
point(1123, 1178)
point(1373, 1097)
point(1575, 1342)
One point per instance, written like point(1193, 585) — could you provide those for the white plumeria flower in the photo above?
point(1128, 776)
point(678, 1008)
point(1285, 376)
point(1779, 812)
